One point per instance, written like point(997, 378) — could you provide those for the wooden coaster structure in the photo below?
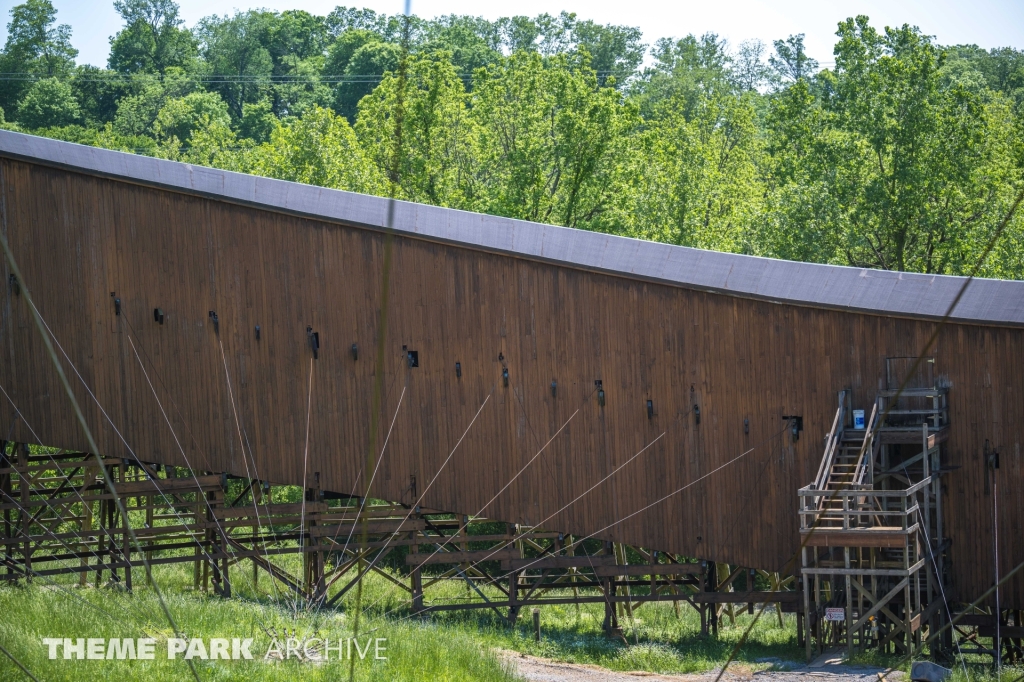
point(59, 518)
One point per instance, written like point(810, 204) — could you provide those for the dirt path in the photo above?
point(543, 670)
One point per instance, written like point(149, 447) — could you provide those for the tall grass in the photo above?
point(415, 650)
point(440, 647)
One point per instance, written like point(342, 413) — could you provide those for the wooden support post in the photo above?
point(198, 536)
point(849, 587)
point(703, 605)
point(907, 604)
point(801, 634)
point(257, 497)
point(722, 573)
point(462, 531)
point(713, 587)
point(101, 540)
point(24, 489)
point(513, 582)
point(207, 546)
point(776, 583)
point(621, 558)
point(218, 500)
point(417, 576)
point(126, 550)
point(150, 503)
point(573, 572)
point(5, 485)
point(611, 620)
point(816, 623)
point(225, 590)
point(750, 588)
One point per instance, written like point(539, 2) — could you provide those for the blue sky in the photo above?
point(988, 23)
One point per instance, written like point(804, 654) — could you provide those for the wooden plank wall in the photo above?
point(80, 238)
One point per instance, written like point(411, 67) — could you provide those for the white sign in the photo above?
point(836, 615)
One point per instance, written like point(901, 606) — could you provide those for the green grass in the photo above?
point(416, 650)
point(654, 640)
point(459, 645)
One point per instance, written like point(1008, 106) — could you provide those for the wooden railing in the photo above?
point(835, 435)
point(852, 515)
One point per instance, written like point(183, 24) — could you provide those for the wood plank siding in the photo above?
point(82, 240)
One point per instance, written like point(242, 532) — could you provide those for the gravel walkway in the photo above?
point(544, 670)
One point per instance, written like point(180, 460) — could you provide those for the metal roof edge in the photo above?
point(835, 287)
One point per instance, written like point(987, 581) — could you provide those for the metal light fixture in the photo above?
point(696, 413)
point(355, 351)
point(158, 315)
point(458, 370)
point(746, 426)
point(600, 392)
point(257, 332)
point(504, 375)
point(650, 409)
point(554, 388)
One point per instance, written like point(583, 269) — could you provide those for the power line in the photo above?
point(225, 78)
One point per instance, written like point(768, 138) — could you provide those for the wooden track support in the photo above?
point(60, 518)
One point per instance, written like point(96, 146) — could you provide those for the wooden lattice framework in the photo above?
point(60, 519)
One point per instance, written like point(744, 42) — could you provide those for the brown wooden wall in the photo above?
point(79, 238)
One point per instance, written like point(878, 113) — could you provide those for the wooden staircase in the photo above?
point(846, 464)
point(871, 525)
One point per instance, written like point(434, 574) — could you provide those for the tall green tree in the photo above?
point(790, 61)
point(364, 71)
point(894, 167)
point(437, 158)
point(749, 70)
point(615, 51)
point(49, 103)
point(923, 143)
point(813, 172)
point(152, 38)
point(700, 177)
point(471, 42)
point(35, 48)
point(235, 50)
point(550, 140)
point(98, 92)
point(180, 117)
point(296, 42)
point(684, 74)
point(136, 113)
point(318, 149)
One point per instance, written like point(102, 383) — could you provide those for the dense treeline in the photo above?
point(905, 155)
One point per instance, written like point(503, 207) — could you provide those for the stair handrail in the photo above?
point(831, 441)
